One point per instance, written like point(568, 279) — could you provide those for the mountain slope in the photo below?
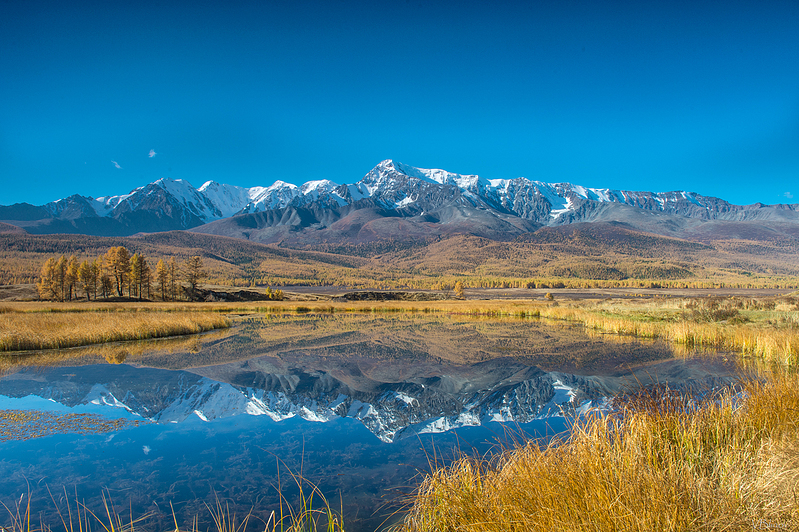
point(400, 202)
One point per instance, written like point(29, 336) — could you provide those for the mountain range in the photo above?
point(390, 405)
point(394, 201)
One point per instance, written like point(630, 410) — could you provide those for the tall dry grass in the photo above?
point(767, 340)
point(661, 463)
point(20, 331)
point(771, 334)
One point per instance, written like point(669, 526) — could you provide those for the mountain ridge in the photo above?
point(404, 201)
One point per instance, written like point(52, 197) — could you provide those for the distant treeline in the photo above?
point(579, 259)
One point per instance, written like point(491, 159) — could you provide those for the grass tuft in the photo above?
point(662, 462)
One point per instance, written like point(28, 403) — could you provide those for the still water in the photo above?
point(359, 405)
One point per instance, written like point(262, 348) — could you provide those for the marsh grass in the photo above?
point(21, 331)
point(662, 462)
point(110, 353)
point(306, 515)
point(19, 517)
point(311, 512)
point(74, 516)
point(764, 334)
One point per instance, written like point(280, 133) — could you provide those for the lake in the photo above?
point(360, 405)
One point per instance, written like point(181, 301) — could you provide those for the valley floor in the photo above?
point(325, 292)
point(27, 292)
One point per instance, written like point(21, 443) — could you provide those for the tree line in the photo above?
point(117, 273)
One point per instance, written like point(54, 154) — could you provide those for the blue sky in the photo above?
point(698, 96)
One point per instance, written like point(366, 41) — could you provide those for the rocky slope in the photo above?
point(392, 201)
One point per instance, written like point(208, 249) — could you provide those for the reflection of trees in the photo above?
point(116, 357)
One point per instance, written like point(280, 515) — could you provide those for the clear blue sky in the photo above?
point(698, 96)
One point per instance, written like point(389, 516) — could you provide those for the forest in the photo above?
point(578, 258)
point(119, 274)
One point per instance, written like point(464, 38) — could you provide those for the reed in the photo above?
point(662, 462)
point(21, 331)
point(75, 516)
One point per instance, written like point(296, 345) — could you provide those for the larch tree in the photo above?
point(85, 278)
point(47, 285)
point(71, 280)
point(172, 267)
point(60, 278)
point(135, 278)
point(117, 263)
point(141, 276)
point(193, 270)
point(162, 278)
point(459, 290)
point(146, 278)
point(95, 279)
point(106, 283)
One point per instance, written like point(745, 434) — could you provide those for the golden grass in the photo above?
point(20, 331)
point(770, 333)
point(764, 339)
point(111, 353)
point(658, 464)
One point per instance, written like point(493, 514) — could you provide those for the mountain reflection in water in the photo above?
point(356, 401)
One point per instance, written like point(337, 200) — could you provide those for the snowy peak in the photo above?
point(394, 411)
point(395, 185)
point(227, 199)
point(407, 191)
point(442, 177)
point(276, 196)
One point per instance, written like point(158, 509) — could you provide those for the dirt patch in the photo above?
point(230, 295)
point(390, 296)
point(19, 292)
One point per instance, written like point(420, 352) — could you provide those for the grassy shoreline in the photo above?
point(766, 328)
point(28, 331)
point(771, 335)
point(659, 463)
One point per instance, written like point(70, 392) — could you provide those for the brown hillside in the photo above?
point(580, 253)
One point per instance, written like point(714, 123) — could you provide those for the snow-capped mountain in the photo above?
point(391, 411)
point(421, 196)
point(499, 390)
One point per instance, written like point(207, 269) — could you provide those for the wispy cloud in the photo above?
point(152, 154)
point(146, 449)
point(116, 165)
point(788, 195)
